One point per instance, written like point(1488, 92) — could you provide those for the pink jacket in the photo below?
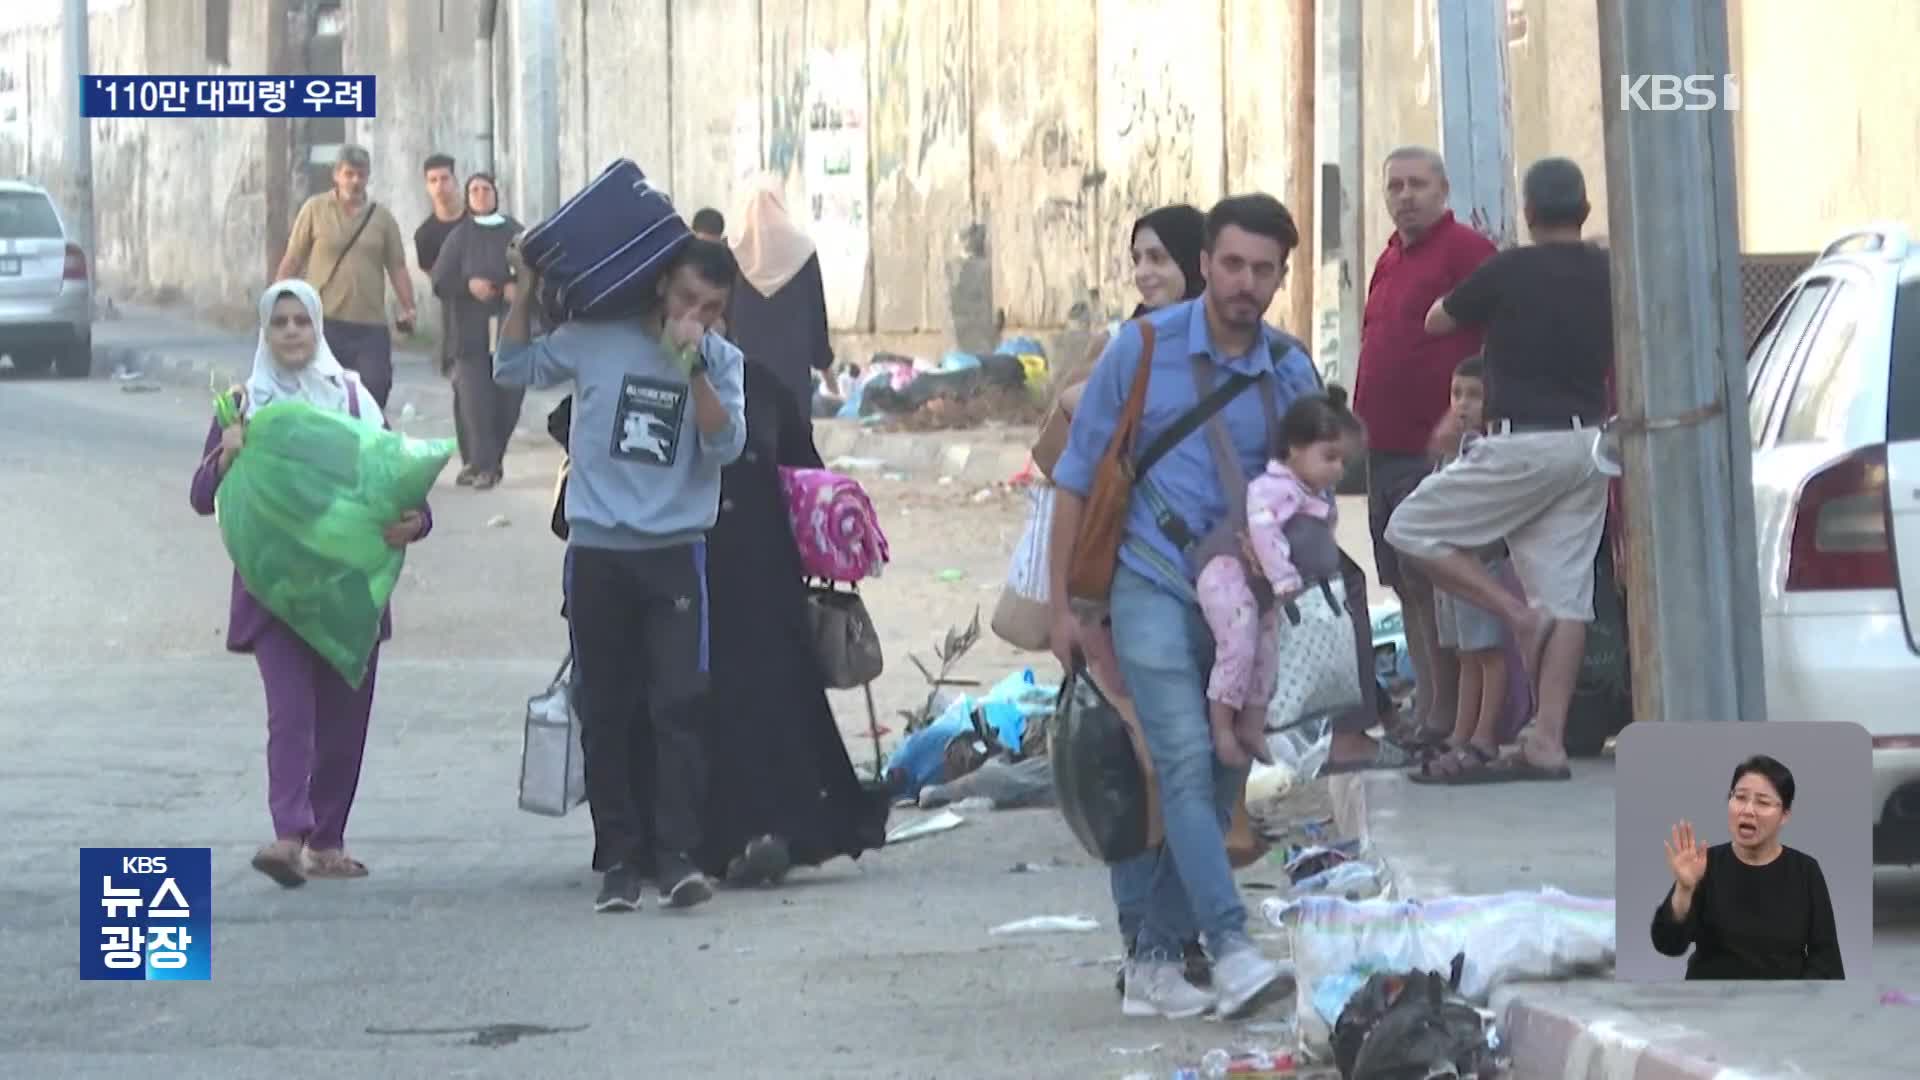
point(1273, 499)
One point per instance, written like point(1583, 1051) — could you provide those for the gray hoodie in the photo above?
point(643, 475)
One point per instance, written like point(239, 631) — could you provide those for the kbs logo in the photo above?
point(146, 913)
point(1680, 93)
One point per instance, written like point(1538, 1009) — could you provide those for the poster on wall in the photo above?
point(835, 209)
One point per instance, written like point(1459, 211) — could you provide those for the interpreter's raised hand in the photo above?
point(1686, 857)
point(407, 529)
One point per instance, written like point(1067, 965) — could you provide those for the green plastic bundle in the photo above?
point(303, 511)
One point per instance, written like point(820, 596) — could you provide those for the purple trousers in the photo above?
point(316, 736)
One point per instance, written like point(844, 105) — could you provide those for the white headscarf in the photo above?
point(322, 383)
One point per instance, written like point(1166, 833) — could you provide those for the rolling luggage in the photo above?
point(602, 251)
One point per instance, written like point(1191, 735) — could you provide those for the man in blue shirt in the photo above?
point(1159, 645)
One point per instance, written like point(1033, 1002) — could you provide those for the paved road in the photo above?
point(126, 724)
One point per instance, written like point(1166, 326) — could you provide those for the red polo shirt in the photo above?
point(1404, 385)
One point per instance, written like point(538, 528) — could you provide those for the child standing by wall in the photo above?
point(1293, 493)
point(1474, 632)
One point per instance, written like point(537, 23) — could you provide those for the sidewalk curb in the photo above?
point(983, 456)
point(1544, 1040)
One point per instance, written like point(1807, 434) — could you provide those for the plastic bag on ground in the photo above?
point(1007, 785)
point(303, 511)
point(1339, 943)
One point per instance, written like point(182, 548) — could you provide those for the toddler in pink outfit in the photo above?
point(1296, 484)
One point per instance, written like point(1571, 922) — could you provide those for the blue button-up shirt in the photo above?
point(1186, 477)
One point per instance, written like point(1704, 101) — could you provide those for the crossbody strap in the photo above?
point(365, 220)
point(1204, 410)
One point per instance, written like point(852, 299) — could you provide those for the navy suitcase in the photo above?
point(602, 251)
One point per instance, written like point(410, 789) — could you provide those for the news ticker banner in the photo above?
point(147, 96)
point(146, 914)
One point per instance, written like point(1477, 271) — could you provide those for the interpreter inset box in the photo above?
point(1743, 851)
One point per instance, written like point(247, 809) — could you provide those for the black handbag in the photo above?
point(844, 636)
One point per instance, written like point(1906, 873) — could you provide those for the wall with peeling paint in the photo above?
point(1008, 144)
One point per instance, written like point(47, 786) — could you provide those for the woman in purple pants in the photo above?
point(316, 722)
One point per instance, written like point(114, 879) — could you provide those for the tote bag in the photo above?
point(1316, 657)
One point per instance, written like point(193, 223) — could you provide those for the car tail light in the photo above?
point(76, 269)
point(1840, 527)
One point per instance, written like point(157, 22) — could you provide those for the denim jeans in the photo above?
point(1165, 653)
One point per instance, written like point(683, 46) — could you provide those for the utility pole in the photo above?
point(1692, 578)
point(483, 84)
point(536, 151)
point(1303, 86)
point(1476, 114)
point(79, 154)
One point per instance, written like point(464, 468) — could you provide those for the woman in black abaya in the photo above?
point(781, 788)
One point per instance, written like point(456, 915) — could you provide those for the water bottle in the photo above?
point(1215, 1063)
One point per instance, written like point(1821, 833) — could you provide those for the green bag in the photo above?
point(303, 510)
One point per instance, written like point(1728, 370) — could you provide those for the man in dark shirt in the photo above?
point(449, 210)
point(1535, 481)
point(709, 224)
point(1404, 386)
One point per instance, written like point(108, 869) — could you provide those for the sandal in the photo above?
point(1447, 768)
point(1507, 770)
point(280, 861)
point(335, 864)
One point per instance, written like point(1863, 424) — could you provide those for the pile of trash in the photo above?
point(1340, 944)
point(1009, 385)
point(990, 748)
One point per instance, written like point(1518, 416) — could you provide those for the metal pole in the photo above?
point(1476, 114)
point(1693, 595)
point(79, 131)
point(483, 83)
point(536, 32)
point(1301, 149)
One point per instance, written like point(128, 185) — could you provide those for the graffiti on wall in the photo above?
point(834, 157)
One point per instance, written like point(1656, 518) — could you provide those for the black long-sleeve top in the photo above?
point(1755, 922)
point(786, 332)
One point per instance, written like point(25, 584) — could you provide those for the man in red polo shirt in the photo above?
point(1403, 390)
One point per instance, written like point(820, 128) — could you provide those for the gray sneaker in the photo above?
point(1245, 979)
point(1161, 989)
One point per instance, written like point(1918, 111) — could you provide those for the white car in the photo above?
point(46, 292)
point(1833, 402)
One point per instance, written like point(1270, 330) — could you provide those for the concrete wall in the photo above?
point(968, 167)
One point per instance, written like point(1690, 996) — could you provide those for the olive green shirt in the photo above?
point(358, 290)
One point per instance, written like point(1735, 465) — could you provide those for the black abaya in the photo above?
point(777, 763)
point(786, 333)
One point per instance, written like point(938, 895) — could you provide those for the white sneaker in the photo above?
point(1162, 989)
point(1244, 979)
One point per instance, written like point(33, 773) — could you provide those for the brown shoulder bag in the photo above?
point(1103, 521)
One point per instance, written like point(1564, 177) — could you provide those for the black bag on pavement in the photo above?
point(1097, 778)
point(1410, 1026)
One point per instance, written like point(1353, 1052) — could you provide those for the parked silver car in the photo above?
point(46, 289)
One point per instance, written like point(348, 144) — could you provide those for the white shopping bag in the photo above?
point(1318, 666)
point(553, 767)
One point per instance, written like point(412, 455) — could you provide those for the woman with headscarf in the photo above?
point(778, 312)
point(316, 722)
point(472, 279)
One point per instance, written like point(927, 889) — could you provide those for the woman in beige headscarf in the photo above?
point(778, 313)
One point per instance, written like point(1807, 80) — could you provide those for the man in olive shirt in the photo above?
point(349, 247)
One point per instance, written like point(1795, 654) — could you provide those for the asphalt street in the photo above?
point(472, 949)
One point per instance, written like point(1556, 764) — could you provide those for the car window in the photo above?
point(27, 215)
point(1830, 377)
point(1773, 354)
point(1903, 390)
